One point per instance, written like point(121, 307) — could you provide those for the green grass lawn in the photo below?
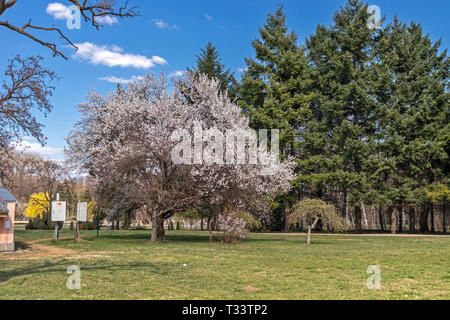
point(124, 265)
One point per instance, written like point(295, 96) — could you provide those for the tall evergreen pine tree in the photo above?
point(275, 90)
point(411, 86)
point(210, 63)
point(342, 56)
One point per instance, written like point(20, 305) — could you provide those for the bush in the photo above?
point(39, 224)
point(311, 211)
point(88, 225)
point(251, 223)
point(232, 226)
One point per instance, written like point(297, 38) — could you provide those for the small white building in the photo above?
point(7, 216)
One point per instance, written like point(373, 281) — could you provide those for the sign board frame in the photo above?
point(58, 211)
point(82, 211)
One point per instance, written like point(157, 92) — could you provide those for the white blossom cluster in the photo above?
point(232, 226)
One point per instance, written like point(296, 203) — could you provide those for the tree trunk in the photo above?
point(287, 210)
point(201, 224)
point(344, 209)
point(380, 216)
point(214, 223)
point(432, 217)
point(154, 230)
point(424, 219)
point(77, 230)
point(393, 220)
point(161, 230)
point(117, 224)
point(112, 225)
point(412, 220)
point(210, 229)
point(308, 240)
point(444, 217)
point(400, 220)
point(158, 232)
point(310, 227)
point(366, 223)
point(358, 216)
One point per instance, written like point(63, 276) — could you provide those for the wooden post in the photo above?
point(56, 234)
point(77, 230)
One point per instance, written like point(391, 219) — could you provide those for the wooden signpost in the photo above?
point(81, 217)
point(58, 214)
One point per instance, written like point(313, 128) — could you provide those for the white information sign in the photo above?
point(82, 211)
point(58, 211)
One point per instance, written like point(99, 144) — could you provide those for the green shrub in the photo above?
point(89, 225)
point(251, 223)
point(39, 224)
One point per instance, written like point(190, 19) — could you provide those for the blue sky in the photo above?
point(167, 36)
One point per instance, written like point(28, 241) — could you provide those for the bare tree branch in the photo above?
point(24, 88)
point(103, 8)
point(89, 11)
point(49, 45)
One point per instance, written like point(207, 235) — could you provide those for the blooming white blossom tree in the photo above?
point(126, 138)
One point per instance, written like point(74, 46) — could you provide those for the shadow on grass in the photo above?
point(295, 242)
point(202, 237)
point(145, 236)
point(138, 237)
point(49, 267)
point(185, 236)
point(20, 245)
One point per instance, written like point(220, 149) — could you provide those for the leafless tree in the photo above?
point(16, 176)
point(24, 88)
point(50, 175)
point(26, 174)
point(25, 85)
point(89, 10)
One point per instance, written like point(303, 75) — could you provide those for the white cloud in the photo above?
point(159, 60)
point(62, 12)
point(106, 20)
point(161, 24)
point(113, 56)
point(208, 17)
point(241, 70)
point(177, 73)
point(59, 11)
point(114, 79)
point(29, 145)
